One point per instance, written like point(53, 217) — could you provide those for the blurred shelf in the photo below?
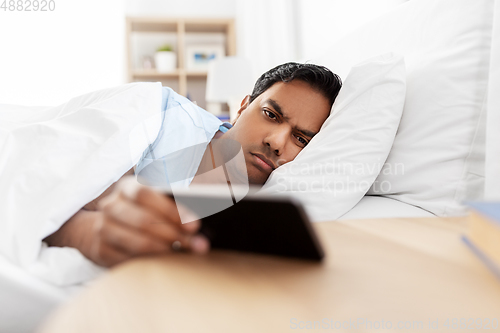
point(196, 73)
point(161, 24)
point(182, 28)
point(152, 24)
point(139, 73)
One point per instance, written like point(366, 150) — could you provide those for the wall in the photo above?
point(272, 32)
point(324, 21)
point(180, 8)
point(48, 57)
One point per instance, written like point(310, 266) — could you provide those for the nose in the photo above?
point(276, 140)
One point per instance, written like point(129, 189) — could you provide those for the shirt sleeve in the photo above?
point(175, 154)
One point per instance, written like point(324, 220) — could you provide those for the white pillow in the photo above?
point(341, 162)
point(440, 141)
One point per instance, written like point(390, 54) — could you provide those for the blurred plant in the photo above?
point(165, 48)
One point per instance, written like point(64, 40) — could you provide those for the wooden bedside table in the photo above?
point(399, 272)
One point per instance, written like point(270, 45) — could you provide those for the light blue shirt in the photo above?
point(174, 156)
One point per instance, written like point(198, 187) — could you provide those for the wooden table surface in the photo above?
point(414, 274)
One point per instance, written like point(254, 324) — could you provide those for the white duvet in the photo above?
point(54, 160)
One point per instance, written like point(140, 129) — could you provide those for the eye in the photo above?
point(303, 142)
point(270, 114)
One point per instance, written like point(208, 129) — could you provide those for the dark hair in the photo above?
point(319, 77)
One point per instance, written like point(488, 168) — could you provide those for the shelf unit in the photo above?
point(181, 28)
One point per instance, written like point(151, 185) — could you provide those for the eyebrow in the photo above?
point(278, 109)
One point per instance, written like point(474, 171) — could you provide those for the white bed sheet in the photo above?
point(25, 300)
point(55, 160)
point(381, 207)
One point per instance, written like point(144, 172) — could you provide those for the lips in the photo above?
point(264, 162)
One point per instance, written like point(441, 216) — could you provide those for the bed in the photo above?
point(424, 191)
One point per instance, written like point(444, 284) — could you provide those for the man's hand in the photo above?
point(133, 220)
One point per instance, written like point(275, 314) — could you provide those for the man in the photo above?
point(287, 107)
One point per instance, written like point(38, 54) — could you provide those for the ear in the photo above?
point(244, 105)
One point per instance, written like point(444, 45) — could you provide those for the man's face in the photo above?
point(277, 125)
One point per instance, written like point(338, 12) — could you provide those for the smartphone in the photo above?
point(255, 223)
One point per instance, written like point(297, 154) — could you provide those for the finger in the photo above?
point(136, 217)
point(107, 256)
point(191, 227)
point(147, 197)
point(199, 244)
point(101, 253)
point(112, 256)
point(132, 241)
point(159, 203)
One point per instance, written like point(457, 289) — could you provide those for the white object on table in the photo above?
point(165, 61)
